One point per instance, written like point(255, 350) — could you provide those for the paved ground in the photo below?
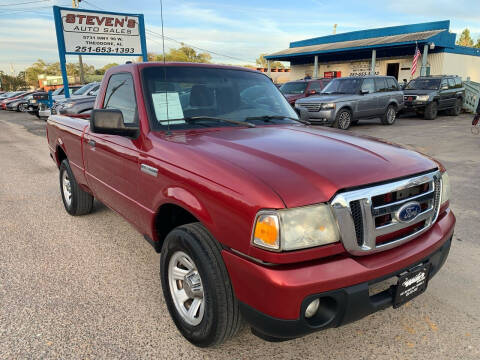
point(88, 287)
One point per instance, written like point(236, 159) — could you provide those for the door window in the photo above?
point(451, 84)
point(444, 83)
point(368, 85)
point(392, 84)
point(380, 85)
point(315, 85)
point(458, 82)
point(120, 95)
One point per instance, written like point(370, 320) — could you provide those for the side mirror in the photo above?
point(110, 121)
point(364, 92)
point(311, 92)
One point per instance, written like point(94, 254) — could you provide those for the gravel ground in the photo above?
point(88, 287)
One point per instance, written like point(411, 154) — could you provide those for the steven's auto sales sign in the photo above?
point(100, 33)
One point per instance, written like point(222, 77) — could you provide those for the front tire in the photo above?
point(390, 116)
point(76, 201)
point(22, 108)
point(343, 119)
point(197, 287)
point(431, 111)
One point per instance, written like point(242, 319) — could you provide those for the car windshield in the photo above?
point(343, 86)
point(295, 87)
point(83, 90)
point(184, 97)
point(424, 84)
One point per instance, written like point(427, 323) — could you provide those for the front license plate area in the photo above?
point(411, 284)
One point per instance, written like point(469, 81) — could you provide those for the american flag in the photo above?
point(415, 60)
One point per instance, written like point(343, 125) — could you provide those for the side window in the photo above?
point(368, 85)
point(392, 84)
point(120, 95)
point(444, 82)
point(458, 82)
point(380, 84)
point(451, 83)
point(315, 85)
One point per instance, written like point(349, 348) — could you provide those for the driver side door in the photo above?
point(367, 103)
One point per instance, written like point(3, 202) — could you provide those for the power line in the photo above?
point(23, 3)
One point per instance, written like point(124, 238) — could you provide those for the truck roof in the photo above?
point(143, 65)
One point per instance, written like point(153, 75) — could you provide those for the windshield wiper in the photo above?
point(193, 119)
point(267, 118)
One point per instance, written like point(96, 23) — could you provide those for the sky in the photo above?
point(236, 31)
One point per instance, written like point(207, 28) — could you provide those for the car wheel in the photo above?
point(76, 201)
point(343, 119)
point(22, 108)
point(197, 287)
point(431, 111)
point(455, 111)
point(390, 116)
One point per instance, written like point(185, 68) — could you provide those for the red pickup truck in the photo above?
point(257, 215)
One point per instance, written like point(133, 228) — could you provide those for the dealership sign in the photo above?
point(87, 32)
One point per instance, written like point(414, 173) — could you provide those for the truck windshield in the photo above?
point(423, 84)
point(83, 90)
point(343, 86)
point(295, 87)
point(178, 94)
point(59, 91)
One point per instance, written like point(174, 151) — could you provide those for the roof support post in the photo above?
point(374, 59)
point(315, 67)
point(269, 69)
point(423, 70)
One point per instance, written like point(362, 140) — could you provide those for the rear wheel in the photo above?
point(455, 111)
point(22, 108)
point(76, 201)
point(390, 116)
point(431, 111)
point(343, 119)
point(197, 287)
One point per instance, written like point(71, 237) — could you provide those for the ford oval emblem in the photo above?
point(409, 211)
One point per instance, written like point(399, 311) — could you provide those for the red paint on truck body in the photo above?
point(223, 176)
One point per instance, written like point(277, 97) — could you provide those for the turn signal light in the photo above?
point(267, 231)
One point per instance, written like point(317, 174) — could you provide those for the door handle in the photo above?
point(92, 143)
point(150, 170)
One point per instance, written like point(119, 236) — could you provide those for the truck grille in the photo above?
point(381, 217)
point(409, 97)
point(311, 107)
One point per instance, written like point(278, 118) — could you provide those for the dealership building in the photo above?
point(383, 51)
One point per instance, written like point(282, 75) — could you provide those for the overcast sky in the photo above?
point(240, 29)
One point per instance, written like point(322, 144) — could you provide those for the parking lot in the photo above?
point(88, 287)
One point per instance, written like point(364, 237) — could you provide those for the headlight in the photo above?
point(328, 106)
point(445, 188)
point(423, 98)
point(294, 229)
point(66, 106)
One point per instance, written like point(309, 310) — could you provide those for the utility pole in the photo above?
point(75, 5)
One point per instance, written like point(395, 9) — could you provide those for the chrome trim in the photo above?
point(342, 211)
point(150, 170)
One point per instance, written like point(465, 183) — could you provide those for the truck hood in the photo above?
point(328, 98)
point(304, 165)
point(418, 92)
point(292, 97)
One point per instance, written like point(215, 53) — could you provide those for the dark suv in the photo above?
point(346, 100)
point(426, 95)
point(299, 89)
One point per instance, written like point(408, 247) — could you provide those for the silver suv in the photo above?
point(346, 100)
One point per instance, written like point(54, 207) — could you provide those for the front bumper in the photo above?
point(322, 116)
point(415, 105)
point(273, 299)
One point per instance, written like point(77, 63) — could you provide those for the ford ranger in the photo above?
point(257, 215)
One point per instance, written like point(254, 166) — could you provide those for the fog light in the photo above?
point(312, 308)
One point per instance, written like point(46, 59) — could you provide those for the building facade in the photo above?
point(383, 51)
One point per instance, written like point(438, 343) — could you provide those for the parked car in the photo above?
point(35, 101)
point(77, 105)
point(13, 105)
point(294, 228)
point(426, 95)
point(9, 94)
point(299, 89)
point(17, 95)
point(59, 97)
point(344, 101)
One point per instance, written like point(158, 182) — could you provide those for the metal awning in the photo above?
point(400, 39)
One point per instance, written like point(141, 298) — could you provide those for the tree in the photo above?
point(477, 45)
point(262, 62)
point(465, 39)
point(12, 83)
point(104, 69)
point(182, 54)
